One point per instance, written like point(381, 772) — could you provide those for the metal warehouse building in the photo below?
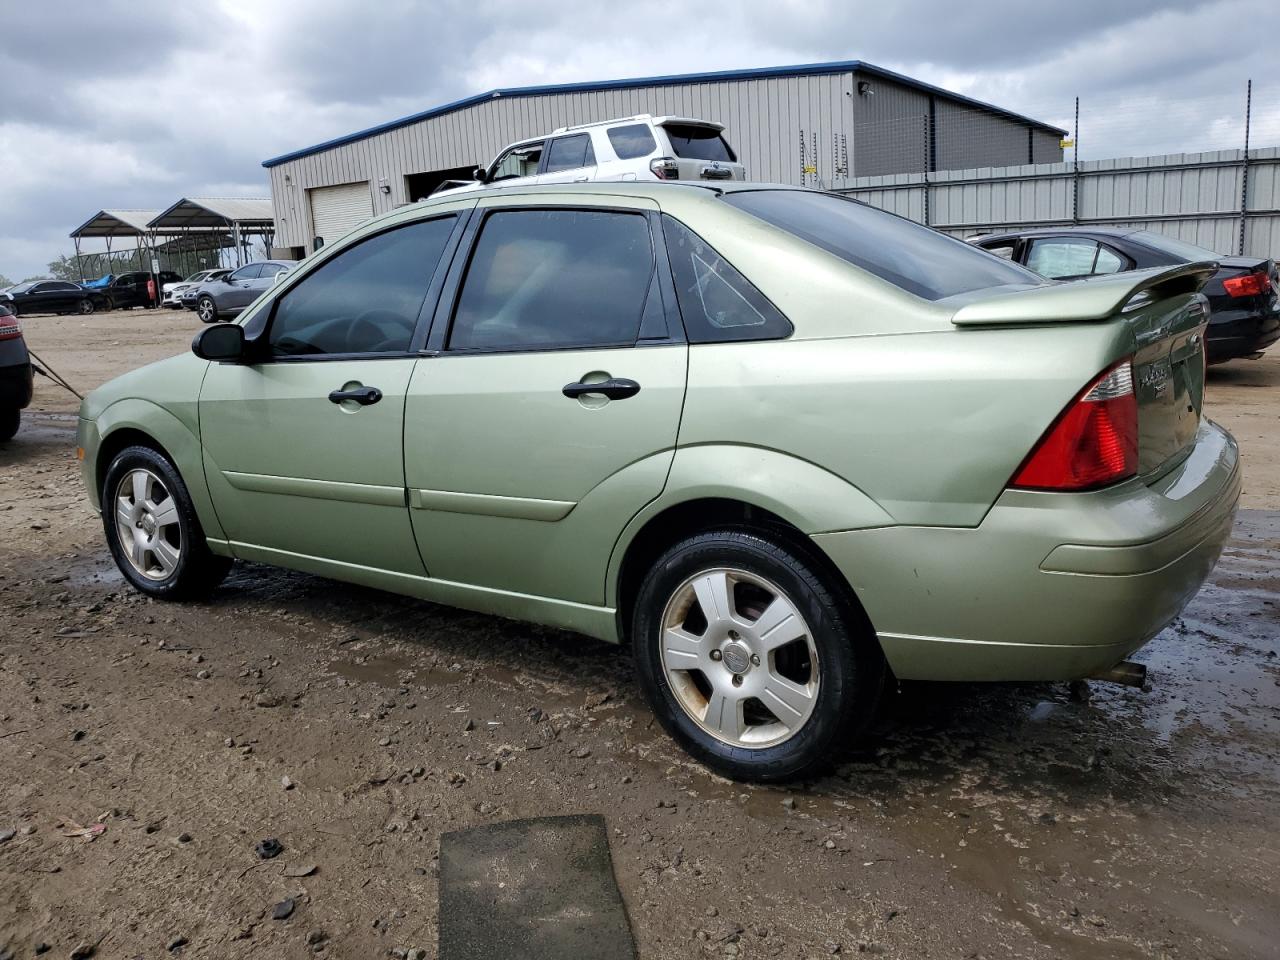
point(815, 124)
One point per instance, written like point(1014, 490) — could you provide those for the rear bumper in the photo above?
point(1048, 586)
point(1242, 336)
point(16, 385)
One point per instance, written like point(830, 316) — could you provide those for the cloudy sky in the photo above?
point(137, 103)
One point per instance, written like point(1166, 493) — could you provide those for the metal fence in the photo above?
point(1226, 200)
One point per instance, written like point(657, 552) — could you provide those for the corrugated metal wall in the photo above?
point(780, 126)
point(1192, 196)
point(765, 119)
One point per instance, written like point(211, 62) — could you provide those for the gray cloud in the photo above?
point(134, 104)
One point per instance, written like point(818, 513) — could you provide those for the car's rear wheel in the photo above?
point(755, 661)
point(86, 306)
point(207, 310)
point(152, 529)
point(10, 419)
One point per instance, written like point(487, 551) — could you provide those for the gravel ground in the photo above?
point(984, 821)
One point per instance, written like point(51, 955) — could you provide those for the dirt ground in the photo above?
point(985, 821)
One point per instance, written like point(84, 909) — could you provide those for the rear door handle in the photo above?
point(361, 395)
point(614, 389)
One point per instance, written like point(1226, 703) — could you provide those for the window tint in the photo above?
point(364, 300)
point(908, 255)
point(1109, 261)
point(62, 286)
point(569, 153)
point(555, 278)
point(698, 143)
point(632, 141)
point(716, 301)
point(520, 162)
point(1178, 248)
point(1059, 257)
point(251, 272)
point(1002, 249)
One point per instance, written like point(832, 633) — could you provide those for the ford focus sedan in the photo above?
point(782, 445)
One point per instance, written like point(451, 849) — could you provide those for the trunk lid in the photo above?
point(700, 149)
point(1166, 315)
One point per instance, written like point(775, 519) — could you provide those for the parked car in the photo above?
point(51, 296)
point(132, 290)
point(630, 148)
point(15, 373)
point(172, 292)
point(1244, 294)
point(782, 444)
point(224, 297)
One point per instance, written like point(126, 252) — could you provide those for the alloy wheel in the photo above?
point(147, 524)
point(86, 306)
point(739, 657)
point(208, 312)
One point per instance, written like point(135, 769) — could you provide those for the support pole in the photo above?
point(79, 262)
point(1244, 166)
point(1075, 167)
point(235, 237)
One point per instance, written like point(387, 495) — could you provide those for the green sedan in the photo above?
point(783, 445)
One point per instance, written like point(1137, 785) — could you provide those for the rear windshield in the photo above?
point(1177, 248)
point(693, 142)
point(921, 261)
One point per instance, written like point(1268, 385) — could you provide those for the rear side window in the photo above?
point(544, 279)
point(364, 300)
point(717, 302)
point(919, 260)
point(570, 153)
point(693, 142)
point(632, 141)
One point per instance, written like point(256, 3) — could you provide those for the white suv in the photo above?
point(630, 148)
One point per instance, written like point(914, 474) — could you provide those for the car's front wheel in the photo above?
point(753, 661)
point(86, 306)
point(10, 419)
point(207, 310)
point(152, 529)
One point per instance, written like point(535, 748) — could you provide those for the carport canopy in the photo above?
point(116, 223)
point(252, 216)
point(242, 216)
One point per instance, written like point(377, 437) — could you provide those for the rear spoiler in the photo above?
point(1094, 298)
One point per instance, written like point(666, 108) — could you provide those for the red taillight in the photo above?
point(1093, 443)
point(665, 168)
point(10, 329)
point(1250, 285)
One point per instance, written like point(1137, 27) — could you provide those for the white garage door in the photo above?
point(335, 210)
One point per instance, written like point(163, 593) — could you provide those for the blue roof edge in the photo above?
point(716, 76)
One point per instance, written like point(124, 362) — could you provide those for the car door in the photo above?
point(520, 474)
point(569, 159)
point(240, 291)
point(303, 450)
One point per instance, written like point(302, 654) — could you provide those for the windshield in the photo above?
point(1178, 248)
point(921, 261)
point(200, 275)
point(22, 287)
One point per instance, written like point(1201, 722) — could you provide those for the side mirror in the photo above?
point(223, 342)
point(481, 174)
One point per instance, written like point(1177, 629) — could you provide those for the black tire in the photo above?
point(207, 310)
point(10, 419)
point(108, 304)
point(86, 306)
point(198, 570)
point(851, 667)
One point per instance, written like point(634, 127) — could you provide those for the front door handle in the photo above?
point(361, 395)
point(614, 389)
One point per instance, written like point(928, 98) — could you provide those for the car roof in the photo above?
point(642, 118)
